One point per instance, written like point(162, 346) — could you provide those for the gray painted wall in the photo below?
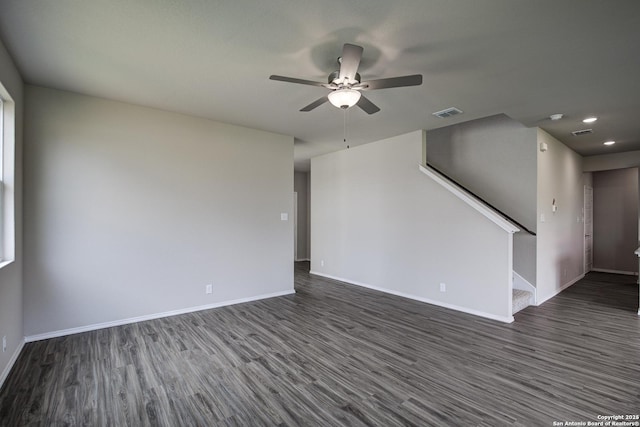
point(378, 221)
point(615, 220)
point(524, 256)
point(301, 186)
point(494, 157)
point(11, 283)
point(560, 240)
point(627, 159)
point(132, 211)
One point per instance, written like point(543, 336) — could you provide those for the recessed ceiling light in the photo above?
point(590, 119)
point(609, 143)
point(556, 116)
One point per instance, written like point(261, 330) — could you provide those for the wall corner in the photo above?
point(423, 161)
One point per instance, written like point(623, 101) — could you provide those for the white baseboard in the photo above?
point(604, 270)
point(557, 291)
point(12, 361)
point(71, 331)
point(504, 319)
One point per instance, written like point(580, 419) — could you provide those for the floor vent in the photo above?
point(447, 112)
point(582, 132)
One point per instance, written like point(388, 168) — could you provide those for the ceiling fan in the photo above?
point(345, 84)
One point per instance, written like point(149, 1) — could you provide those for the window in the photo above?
point(2, 204)
point(7, 177)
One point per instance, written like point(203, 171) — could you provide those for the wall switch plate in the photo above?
point(542, 218)
point(322, 263)
point(443, 287)
point(209, 289)
point(4, 344)
point(284, 217)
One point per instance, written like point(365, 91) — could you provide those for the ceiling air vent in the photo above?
point(447, 113)
point(582, 132)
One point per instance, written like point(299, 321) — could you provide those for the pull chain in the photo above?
point(345, 127)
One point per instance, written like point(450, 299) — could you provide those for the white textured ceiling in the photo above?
point(525, 58)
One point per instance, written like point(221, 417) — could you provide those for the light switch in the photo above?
point(284, 217)
point(542, 218)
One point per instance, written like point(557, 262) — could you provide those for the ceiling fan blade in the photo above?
point(368, 106)
point(293, 80)
point(351, 55)
point(413, 80)
point(315, 104)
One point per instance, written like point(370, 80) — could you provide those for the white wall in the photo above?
point(560, 240)
point(11, 312)
point(131, 211)
point(615, 220)
point(376, 220)
point(627, 159)
point(524, 256)
point(301, 186)
point(494, 157)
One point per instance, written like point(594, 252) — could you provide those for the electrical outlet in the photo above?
point(208, 289)
point(321, 263)
point(4, 344)
point(443, 287)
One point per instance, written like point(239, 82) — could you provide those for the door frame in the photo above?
point(295, 225)
point(588, 234)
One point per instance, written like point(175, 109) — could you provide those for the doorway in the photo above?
point(295, 225)
point(588, 228)
point(615, 221)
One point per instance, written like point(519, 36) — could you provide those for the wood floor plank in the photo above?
point(340, 355)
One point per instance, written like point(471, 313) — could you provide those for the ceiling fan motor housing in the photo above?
point(334, 78)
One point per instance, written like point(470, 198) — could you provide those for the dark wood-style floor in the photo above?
point(334, 354)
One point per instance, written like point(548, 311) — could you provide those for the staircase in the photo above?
point(524, 239)
point(521, 299)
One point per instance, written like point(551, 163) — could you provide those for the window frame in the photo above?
point(7, 177)
point(3, 226)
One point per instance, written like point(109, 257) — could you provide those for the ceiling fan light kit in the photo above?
point(344, 98)
point(345, 84)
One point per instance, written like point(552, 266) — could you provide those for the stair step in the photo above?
point(521, 299)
